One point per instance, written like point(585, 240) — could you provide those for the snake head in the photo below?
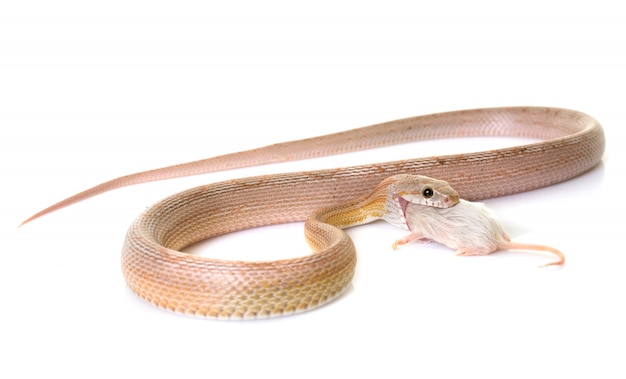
point(416, 189)
point(423, 190)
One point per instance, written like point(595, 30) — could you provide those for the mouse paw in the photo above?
point(409, 238)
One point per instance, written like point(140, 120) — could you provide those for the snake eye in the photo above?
point(428, 192)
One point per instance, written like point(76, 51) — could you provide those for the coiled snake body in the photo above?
point(571, 143)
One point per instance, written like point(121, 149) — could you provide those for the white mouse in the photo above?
point(470, 228)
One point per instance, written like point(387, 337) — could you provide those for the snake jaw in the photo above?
point(402, 201)
point(402, 204)
point(402, 190)
point(437, 201)
point(440, 200)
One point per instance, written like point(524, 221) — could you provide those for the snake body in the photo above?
point(571, 143)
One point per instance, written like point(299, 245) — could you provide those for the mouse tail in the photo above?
point(527, 246)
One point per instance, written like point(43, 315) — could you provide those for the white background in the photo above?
point(93, 90)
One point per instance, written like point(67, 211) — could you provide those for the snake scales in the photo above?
point(571, 143)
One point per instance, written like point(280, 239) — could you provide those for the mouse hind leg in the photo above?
point(474, 250)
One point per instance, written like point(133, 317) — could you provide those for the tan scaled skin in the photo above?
point(470, 228)
point(155, 268)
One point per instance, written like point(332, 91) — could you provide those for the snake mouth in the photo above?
point(437, 202)
point(403, 202)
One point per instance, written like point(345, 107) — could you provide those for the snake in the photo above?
point(569, 143)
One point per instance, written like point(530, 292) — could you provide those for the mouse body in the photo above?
point(470, 228)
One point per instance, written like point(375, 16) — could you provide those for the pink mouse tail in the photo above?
point(527, 246)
